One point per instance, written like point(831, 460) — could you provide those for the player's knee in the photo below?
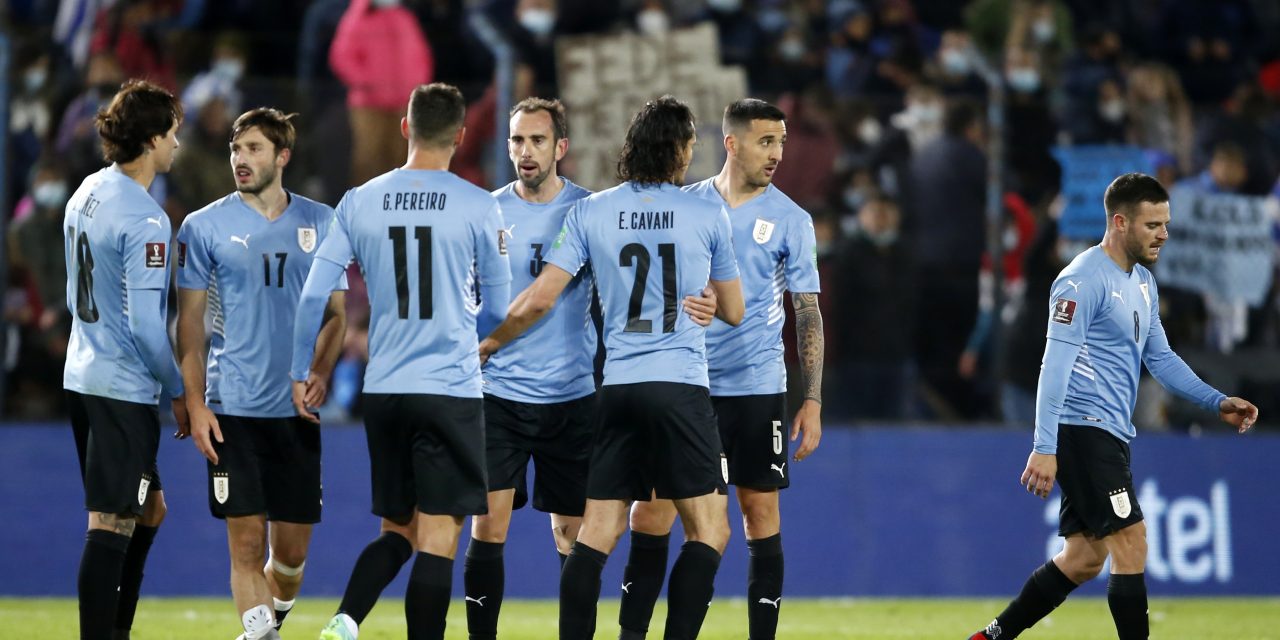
point(489, 528)
point(288, 564)
point(652, 519)
point(1128, 548)
point(248, 549)
point(760, 519)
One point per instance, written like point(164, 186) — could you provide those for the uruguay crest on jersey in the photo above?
point(762, 231)
point(307, 239)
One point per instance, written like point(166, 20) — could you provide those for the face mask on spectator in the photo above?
point(386, 4)
point(50, 195)
point(1043, 30)
point(229, 68)
point(724, 6)
point(34, 78)
point(925, 112)
point(1112, 110)
point(882, 238)
point(652, 22)
point(791, 49)
point(869, 131)
point(1024, 80)
point(956, 62)
point(853, 198)
point(539, 22)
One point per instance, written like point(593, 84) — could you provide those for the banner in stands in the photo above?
point(606, 79)
point(874, 512)
point(1219, 244)
point(1086, 172)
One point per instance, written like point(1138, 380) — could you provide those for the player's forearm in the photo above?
point(146, 324)
point(191, 355)
point(1051, 392)
point(493, 309)
point(333, 330)
point(525, 311)
point(322, 279)
point(810, 342)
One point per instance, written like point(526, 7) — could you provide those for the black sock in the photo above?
point(1044, 591)
point(1127, 597)
point(376, 567)
point(280, 617)
point(483, 577)
point(426, 601)
point(764, 587)
point(131, 575)
point(689, 593)
point(580, 592)
point(99, 581)
point(642, 581)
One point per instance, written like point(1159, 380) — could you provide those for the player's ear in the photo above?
point(404, 128)
point(459, 137)
point(282, 158)
point(730, 144)
point(562, 147)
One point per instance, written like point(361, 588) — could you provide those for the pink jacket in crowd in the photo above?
point(381, 55)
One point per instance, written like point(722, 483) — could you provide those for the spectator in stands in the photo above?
point(1159, 113)
point(31, 115)
point(1095, 109)
point(127, 30)
point(77, 140)
point(1041, 25)
point(1244, 122)
point(851, 63)
point(810, 135)
point(205, 158)
point(742, 41)
point(955, 68)
point(1030, 129)
point(380, 54)
point(1211, 43)
point(223, 77)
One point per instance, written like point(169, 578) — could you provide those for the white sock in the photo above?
point(283, 605)
point(258, 622)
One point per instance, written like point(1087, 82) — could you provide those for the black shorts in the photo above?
point(655, 437)
point(755, 439)
point(1097, 488)
point(426, 453)
point(266, 466)
point(116, 442)
point(558, 438)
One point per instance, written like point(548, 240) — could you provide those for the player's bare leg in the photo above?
point(286, 561)
point(646, 570)
point(1127, 587)
point(376, 567)
point(1079, 561)
point(426, 601)
point(603, 522)
point(483, 575)
point(564, 531)
point(762, 523)
point(135, 560)
point(247, 541)
point(105, 546)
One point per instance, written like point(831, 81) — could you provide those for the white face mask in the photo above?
point(791, 49)
point(869, 131)
point(1043, 30)
point(1112, 110)
point(50, 195)
point(925, 112)
point(34, 78)
point(724, 6)
point(386, 4)
point(539, 22)
point(230, 68)
point(1024, 80)
point(956, 62)
point(652, 22)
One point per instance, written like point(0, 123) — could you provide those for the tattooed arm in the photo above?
point(809, 341)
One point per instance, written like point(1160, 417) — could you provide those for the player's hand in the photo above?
point(1238, 412)
point(300, 401)
point(808, 420)
point(488, 347)
point(1041, 469)
point(204, 430)
point(317, 390)
point(181, 417)
point(701, 308)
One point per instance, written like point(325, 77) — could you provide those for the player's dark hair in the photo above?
point(960, 114)
point(1130, 190)
point(739, 114)
point(139, 112)
point(436, 112)
point(657, 136)
point(554, 108)
point(275, 124)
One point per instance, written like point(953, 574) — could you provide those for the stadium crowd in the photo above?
point(887, 149)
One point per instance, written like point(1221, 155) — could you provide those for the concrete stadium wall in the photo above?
point(876, 512)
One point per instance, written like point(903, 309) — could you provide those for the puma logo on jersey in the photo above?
point(1074, 285)
point(479, 601)
point(775, 603)
point(155, 221)
point(1116, 294)
point(244, 241)
point(625, 587)
point(781, 470)
point(510, 231)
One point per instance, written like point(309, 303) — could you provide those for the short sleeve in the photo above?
point(1073, 302)
point(724, 265)
point(335, 247)
point(145, 251)
point(569, 251)
point(195, 256)
point(802, 256)
point(492, 264)
point(325, 225)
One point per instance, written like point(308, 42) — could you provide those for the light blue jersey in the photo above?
point(421, 238)
point(552, 361)
point(1104, 324)
point(253, 269)
point(774, 242)
point(649, 247)
point(116, 240)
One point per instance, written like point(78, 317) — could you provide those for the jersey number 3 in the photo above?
point(636, 253)
point(399, 255)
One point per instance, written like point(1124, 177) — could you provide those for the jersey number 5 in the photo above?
point(399, 254)
point(636, 253)
point(86, 308)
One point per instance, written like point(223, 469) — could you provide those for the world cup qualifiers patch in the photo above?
point(502, 242)
point(155, 255)
point(1064, 311)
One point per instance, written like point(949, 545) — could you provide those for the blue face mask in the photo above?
point(539, 22)
point(50, 195)
point(1024, 80)
point(956, 62)
point(34, 79)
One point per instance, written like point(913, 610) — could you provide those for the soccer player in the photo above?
point(244, 258)
point(422, 236)
point(1104, 324)
point(655, 429)
point(119, 361)
point(775, 246)
point(539, 390)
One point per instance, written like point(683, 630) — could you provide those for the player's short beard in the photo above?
point(1138, 251)
point(535, 183)
point(268, 176)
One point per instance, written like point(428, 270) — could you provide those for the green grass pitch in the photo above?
point(807, 619)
